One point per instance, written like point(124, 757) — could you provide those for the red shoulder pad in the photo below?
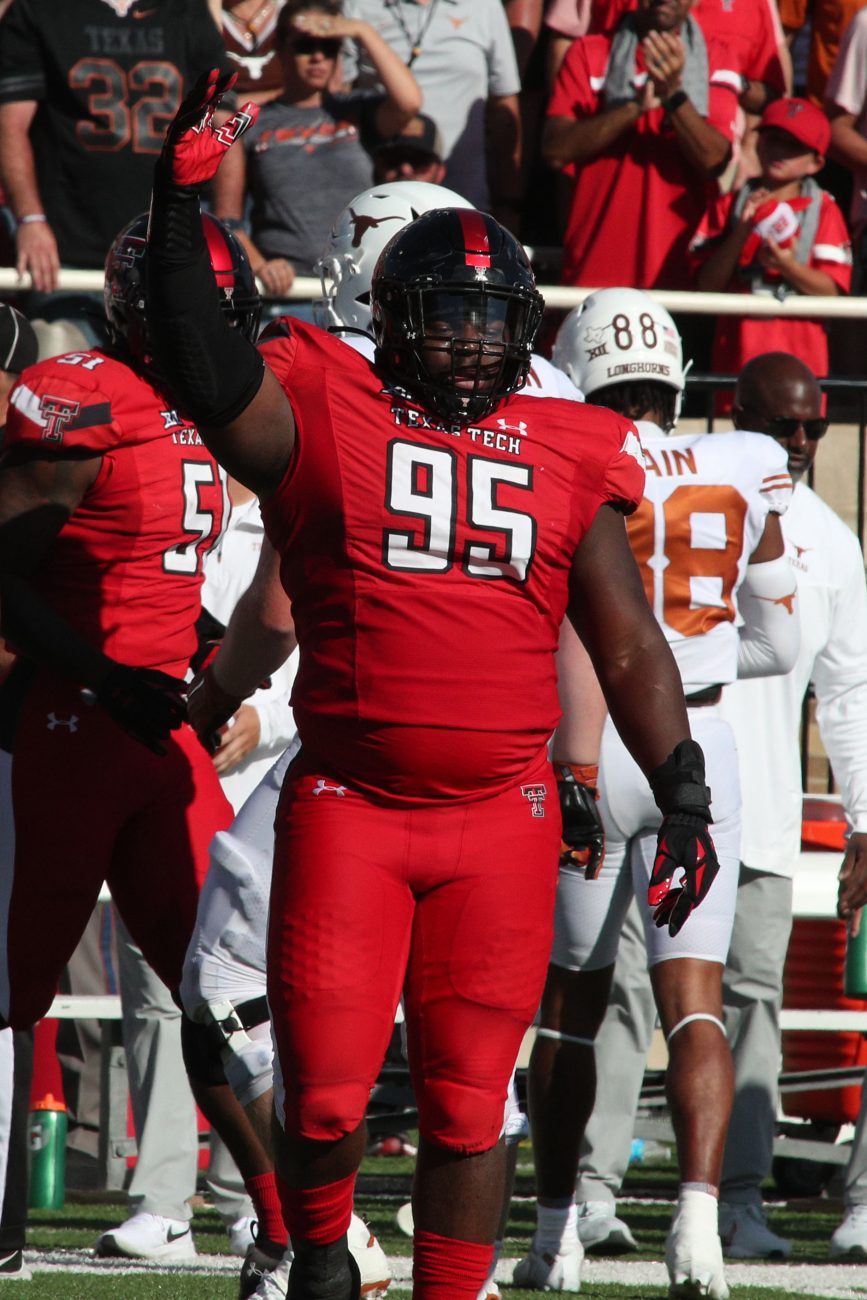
point(68, 401)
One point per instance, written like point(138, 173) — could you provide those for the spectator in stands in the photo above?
point(846, 106)
point(464, 62)
point(525, 19)
point(86, 93)
point(751, 27)
point(779, 234)
point(303, 159)
point(249, 29)
point(414, 154)
point(646, 114)
point(778, 395)
point(827, 21)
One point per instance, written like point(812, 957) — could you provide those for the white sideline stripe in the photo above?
point(835, 1281)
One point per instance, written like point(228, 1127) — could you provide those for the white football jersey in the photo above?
point(706, 500)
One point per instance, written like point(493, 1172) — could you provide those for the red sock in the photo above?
point(446, 1269)
point(262, 1190)
point(318, 1214)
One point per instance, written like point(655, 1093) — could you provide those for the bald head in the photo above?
point(779, 395)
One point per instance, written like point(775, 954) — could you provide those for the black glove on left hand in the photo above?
point(148, 704)
point(684, 843)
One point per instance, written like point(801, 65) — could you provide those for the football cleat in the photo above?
point(262, 1258)
point(693, 1254)
point(13, 1267)
point(373, 1266)
point(850, 1238)
point(148, 1236)
point(540, 1270)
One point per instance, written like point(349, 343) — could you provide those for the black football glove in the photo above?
point(684, 843)
point(582, 846)
point(148, 704)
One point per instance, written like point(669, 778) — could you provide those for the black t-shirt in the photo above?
point(107, 87)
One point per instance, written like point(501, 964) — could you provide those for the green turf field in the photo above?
point(67, 1235)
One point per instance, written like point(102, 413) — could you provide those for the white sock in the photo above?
point(556, 1226)
point(701, 1209)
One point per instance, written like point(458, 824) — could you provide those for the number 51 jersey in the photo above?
point(706, 500)
point(427, 565)
point(126, 568)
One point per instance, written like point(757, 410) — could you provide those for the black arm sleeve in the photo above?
point(212, 370)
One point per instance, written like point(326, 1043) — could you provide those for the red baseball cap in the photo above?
point(800, 118)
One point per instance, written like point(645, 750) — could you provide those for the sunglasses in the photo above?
point(329, 46)
point(785, 426)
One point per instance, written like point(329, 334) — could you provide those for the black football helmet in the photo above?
point(455, 312)
point(124, 290)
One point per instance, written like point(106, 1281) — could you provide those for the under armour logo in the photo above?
point(322, 787)
point(519, 428)
point(361, 225)
point(536, 795)
point(56, 412)
point(71, 723)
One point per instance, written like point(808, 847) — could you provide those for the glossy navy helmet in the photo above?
point(124, 291)
point(455, 312)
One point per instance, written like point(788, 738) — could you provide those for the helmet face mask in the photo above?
point(357, 238)
point(455, 312)
point(124, 288)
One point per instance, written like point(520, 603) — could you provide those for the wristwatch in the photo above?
point(674, 100)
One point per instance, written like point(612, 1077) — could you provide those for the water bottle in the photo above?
point(46, 1131)
point(855, 977)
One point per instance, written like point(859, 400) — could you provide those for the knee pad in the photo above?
point(248, 1059)
point(468, 1120)
point(202, 1047)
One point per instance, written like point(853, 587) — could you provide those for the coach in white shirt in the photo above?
point(779, 395)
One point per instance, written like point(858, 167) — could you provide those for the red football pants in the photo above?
point(452, 905)
point(82, 802)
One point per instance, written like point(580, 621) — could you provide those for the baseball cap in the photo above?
point(18, 346)
point(801, 119)
point(420, 135)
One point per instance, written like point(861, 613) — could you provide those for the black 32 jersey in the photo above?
point(108, 76)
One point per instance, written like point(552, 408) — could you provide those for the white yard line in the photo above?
point(836, 1281)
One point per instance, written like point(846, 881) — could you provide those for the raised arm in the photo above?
point(216, 376)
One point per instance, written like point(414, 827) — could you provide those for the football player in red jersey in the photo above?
point(108, 501)
point(433, 529)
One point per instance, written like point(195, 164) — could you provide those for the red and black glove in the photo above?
point(148, 704)
point(684, 847)
point(582, 846)
point(194, 147)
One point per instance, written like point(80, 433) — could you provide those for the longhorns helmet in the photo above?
point(619, 335)
point(455, 312)
point(124, 290)
point(357, 238)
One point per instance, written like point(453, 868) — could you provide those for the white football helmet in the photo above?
point(357, 238)
point(617, 335)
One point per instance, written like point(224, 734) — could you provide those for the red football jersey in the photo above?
point(427, 566)
point(126, 569)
